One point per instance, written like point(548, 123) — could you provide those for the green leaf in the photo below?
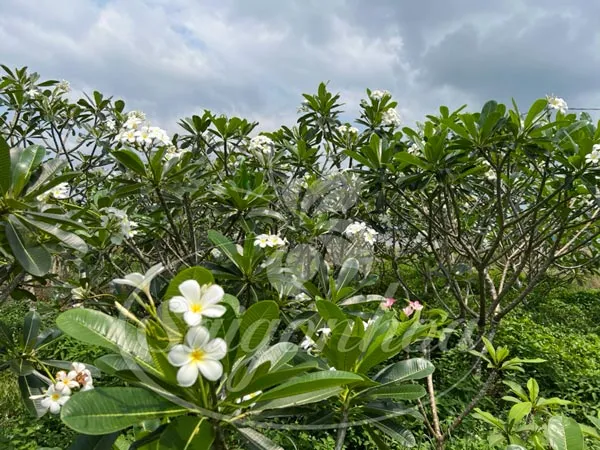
point(188, 433)
point(48, 173)
point(258, 322)
point(564, 434)
point(24, 162)
point(4, 166)
point(100, 442)
point(278, 355)
point(330, 312)
point(69, 239)
point(488, 418)
point(311, 382)
point(396, 432)
point(258, 440)
point(35, 259)
point(534, 389)
point(410, 369)
point(130, 160)
point(31, 385)
point(200, 274)
point(110, 409)
point(347, 273)
point(537, 107)
point(402, 392)
point(299, 399)
point(31, 328)
point(519, 411)
point(96, 328)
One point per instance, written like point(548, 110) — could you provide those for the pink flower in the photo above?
point(412, 307)
point(416, 305)
point(388, 303)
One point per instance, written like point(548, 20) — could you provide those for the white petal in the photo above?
point(192, 319)
point(197, 337)
point(213, 294)
point(216, 349)
point(54, 407)
point(78, 367)
point(190, 289)
point(179, 355)
point(178, 304)
point(211, 370)
point(154, 270)
point(187, 375)
point(46, 402)
point(214, 311)
point(64, 399)
point(133, 279)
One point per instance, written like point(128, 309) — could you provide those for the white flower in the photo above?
point(490, 175)
point(110, 124)
point(378, 94)
point(134, 119)
point(268, 240)
point(159, 135)
point(59, 192)
point(369, 235)
point(142, 136)
point(594, 156)
point(261, 144)
point(139, 281)
point(557, 103)
point(347, 129)
point(78, 377)
point(333, 369)
point(391, 117)
point(197, 301)
point(64, 86)
point(324, 331)
point(247, 397)
point(173, 152)
point(354, 228)
point(118, 218)
point(127, 136)
point(198, 354)
point(32, 93)
point(302, 297)
point(216, 253)
point(54, 398)
point(307, 343)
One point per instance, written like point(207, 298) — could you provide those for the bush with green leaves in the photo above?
point(300, 224)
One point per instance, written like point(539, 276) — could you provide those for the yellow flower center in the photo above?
point(55, 397)
point(197, 355)
point(196, 308)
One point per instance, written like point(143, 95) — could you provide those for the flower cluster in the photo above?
point(268, 240)
point(198, 353)
point(32, 93)
point(261, 144)
point(378, 94)
point(59, 192)
point(58, 393)
point(390, 117)
point(347, 129)
point(412, 307)
point(361, 231)
point(116, 220)
point(136, 131)
point(594, 156)
point(557, 103)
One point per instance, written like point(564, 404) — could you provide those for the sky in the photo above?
point(254, 58)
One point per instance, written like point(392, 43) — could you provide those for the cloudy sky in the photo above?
point(254, 58)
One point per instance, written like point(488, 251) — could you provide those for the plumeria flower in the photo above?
point(78, 377)
point(197, 301)
point(324, 331)
point(198, 354)
point(142, 136)
point(378, 94)
point(557, 103)
point(159, 135)
point(139, 281)
point(64, 86)
point(32, 93)
point(347, 129)
point(110, 124)
point(54, 398)
point(391, 117)
point(59, 192)
point(261, 144)
point(354, 228)
point(127, 136)
point(412, 307)
point(134, 119)
point(388, 303)
point(369, 235)
point(268, 240)
point(594, 156)
point(216, 253)
point(307, 343)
